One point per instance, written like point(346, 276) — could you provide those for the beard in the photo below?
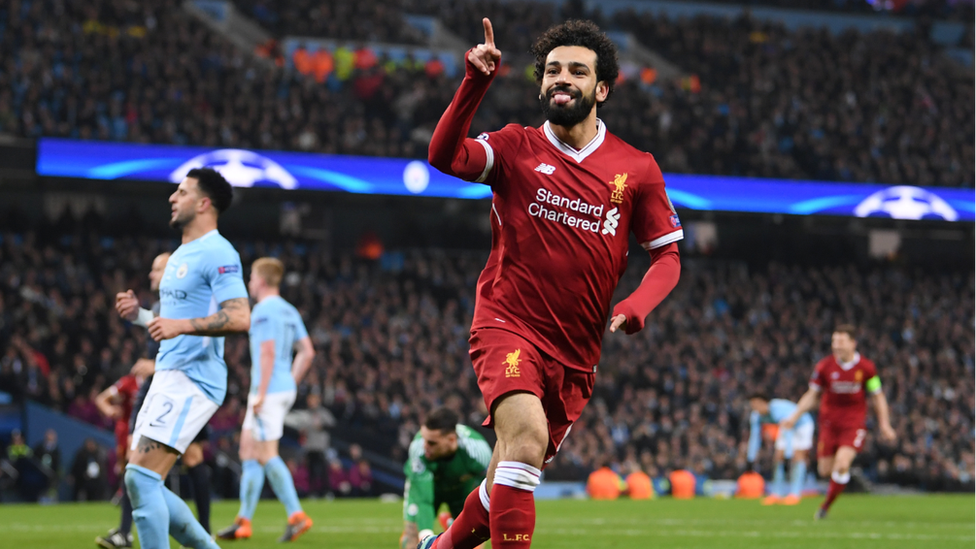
point(181, 220)
point(567, 115)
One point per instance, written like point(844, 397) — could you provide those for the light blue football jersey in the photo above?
point(200, 275)
point(779, 409)
point(277, 320)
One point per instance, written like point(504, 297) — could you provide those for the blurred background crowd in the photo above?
point(755, 98)
point(752, 98)
point(391, 335)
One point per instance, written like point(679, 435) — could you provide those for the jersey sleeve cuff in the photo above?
point(664, 240)
point(814, 387)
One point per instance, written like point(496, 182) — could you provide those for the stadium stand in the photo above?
point(872, 107)
point(391, 336)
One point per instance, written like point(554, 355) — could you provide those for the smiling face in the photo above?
point(186, 202)
point(570, 89)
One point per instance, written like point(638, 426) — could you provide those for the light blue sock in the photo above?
point(252, 482)
point(778, 479)
point(282, 484)
point(183, 526)
point(797, 475)
point(149, 510)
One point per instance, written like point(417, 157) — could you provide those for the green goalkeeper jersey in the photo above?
point(450, 480)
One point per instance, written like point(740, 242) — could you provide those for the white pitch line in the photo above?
point(635, 532)
point(804, 523)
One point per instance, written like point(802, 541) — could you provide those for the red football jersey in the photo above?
point(560, 220)
point(127, 387)
point(843, 390)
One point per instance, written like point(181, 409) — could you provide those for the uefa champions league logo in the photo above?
point(906, 202)
point(241, 168)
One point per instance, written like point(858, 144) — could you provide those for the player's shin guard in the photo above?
point(778, 479)
point(838, 482)
point(283, 485)
point(252, 482)
point(149, 509)
point(798, 473)
point(183, 526)
point(513, 505)
point(200, 477)
point(471, 527)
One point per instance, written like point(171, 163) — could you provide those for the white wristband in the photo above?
point(424, 533)
point(145, 315)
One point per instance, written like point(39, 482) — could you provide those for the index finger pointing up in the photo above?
point(489, 35)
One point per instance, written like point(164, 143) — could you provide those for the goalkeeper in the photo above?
point(446, 462)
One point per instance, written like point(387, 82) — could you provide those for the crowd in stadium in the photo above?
point(391, 337)
point(769, 102)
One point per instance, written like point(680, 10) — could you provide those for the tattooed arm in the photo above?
point(233, 316)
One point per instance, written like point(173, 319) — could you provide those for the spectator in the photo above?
point(361, 478)
point(48, 455)
point(339, 478)
point(312, 424)
point(88, 472)
point(299, 472)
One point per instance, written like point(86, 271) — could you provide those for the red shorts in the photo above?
point(832, 438)
point(507, 363)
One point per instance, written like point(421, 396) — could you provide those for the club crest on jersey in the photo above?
point(181, 272)
point(620, 184)
point(512, 361)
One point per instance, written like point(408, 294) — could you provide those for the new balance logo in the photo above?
point(610, 225)
point(545, 168)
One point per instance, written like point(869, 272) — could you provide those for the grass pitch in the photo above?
point(857, 521)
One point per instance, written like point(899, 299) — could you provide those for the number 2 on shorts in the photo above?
point(161, 420)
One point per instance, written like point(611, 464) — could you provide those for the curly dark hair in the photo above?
point(214, 185)
point(583, 33)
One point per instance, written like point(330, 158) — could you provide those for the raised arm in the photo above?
point(303, 358)
point(451, 151)
point(106, 402)
point(233, 316)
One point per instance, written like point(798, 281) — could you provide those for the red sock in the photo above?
point(470, 529)
point(512, 517)
point(835, 490)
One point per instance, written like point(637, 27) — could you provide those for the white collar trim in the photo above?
point(848, 365)
point(577, 155)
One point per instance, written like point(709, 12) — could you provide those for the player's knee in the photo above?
point(529, 448)
point(824, 469)
point(130, 481)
